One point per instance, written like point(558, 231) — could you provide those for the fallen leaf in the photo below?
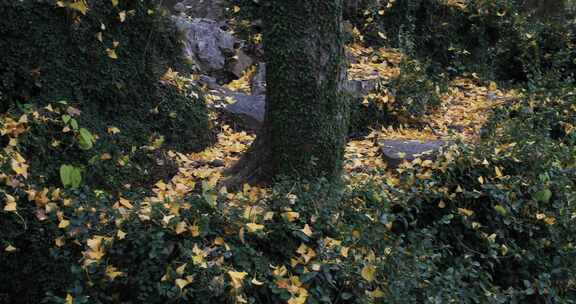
point(236, 278)
point(368, 272)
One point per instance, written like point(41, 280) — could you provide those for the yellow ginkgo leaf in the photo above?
point(20, 167)
point(481, 180)
point(114, 3)
point(181, 283)
point(498, 172)
point(10, 248)
point(79, 6)
point(122, 16)
point(253, 227)
point(236, 278)
point(180, 270)
point(344, 251)
point(121, 234)
point(181, 227)
point(111, 53)
point(112, 272)
point(113, 130)
point(10, 204)
point(377, 293)
point(465, 212)
point(307, 230)
point(291, 216)
point(368, 272)
point(125, 203)
point(195, 230)
point(63, 224)
point(59, 241)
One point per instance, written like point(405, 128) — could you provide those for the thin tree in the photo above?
point(306, 118)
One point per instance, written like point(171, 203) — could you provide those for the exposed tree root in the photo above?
point(255, 166)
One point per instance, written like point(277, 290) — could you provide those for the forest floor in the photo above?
point(465, 108)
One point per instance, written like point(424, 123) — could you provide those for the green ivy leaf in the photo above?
point(543, 196)
point(70, 176)
point(85, 139)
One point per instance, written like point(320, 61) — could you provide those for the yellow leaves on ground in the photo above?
point(181, 227)
point(549, 220)
point(112, 273)
point(376, 293)
point(181, 283)
point(242, 84)
point(253, 227)
point(95, 250)
point(111, 53)
point(113, 130)
point(10, 203)
point(368, 273)
point(459, 4)
point(76, 5)
point(198, 257)
point(292, 284)
point(122, 16)
point(195, 230)
point(465, 107)
point(465, 212)
point(236, 278)
point(291, 216)
point(63, 224)
point(18, 165)
point(306, 254)
point(366, 68)
point(122, 202)
point(307, 230)
point(14, 128)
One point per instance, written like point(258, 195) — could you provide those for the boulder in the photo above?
point(240, 63)
point(358, 88)
point(205, 43)
point(248, 110)
point(396, 151)
point(210, 82)
point(207, 9)
point(258, 81)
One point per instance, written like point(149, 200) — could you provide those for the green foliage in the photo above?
point(53, 53)
point(506, 207)
point(398, 100)
point(490, 224)
point(70, 176)
point(494, 38)
point(107, 66)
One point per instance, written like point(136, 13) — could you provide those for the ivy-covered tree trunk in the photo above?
point(306, 113)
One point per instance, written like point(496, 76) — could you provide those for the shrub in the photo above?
point(495, 38)
point(106, 65)
point(402, 99)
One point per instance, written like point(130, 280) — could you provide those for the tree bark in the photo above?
point(306, 119)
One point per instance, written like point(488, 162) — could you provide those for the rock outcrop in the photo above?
point(396, 151)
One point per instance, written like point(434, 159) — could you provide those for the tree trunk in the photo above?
point(306, 118)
